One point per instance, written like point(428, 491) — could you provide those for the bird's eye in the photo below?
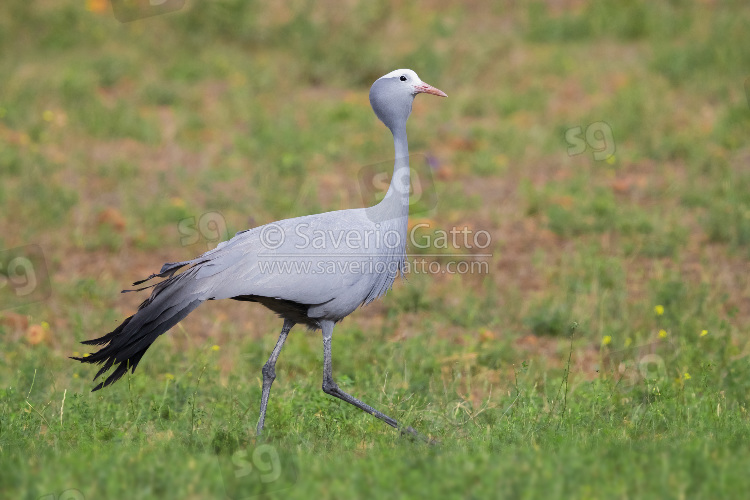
point(403, 78)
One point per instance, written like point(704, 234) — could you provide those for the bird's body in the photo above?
point(319, 263)
point(313, 270)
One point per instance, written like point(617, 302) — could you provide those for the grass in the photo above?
point(600, 354)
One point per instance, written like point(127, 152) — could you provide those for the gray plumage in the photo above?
point(313, 270)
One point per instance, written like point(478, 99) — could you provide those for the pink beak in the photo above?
point(424, 88)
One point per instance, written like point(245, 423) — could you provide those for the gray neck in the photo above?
point(396, 201)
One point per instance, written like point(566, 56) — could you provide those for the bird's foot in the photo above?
point(415, 434)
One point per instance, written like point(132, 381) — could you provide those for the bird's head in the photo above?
point(391, 95)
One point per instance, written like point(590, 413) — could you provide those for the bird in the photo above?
point(312, 270)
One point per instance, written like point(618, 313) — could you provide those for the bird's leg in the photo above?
point(269, 373)
point(330, 387)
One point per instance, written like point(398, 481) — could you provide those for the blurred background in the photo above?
point(601, 145)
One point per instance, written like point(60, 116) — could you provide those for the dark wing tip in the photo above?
point(140, 282)
point(82, 359)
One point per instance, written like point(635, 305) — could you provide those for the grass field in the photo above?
point(601, 353)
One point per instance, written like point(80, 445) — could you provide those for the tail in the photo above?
point(169, 303)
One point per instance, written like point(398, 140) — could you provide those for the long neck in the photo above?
point(397, 198)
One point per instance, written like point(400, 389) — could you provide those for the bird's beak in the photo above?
point(424, 88)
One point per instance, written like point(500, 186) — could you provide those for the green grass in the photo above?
point(551, 375)
point(160, 433)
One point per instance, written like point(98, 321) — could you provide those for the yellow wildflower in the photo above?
point(662, 333)
point(215, 347)
point(686, 376)
point(659, 310)
point(169, 376)
point(704, 333)
point(606, 340)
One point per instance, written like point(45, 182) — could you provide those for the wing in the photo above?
point(308, 260)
